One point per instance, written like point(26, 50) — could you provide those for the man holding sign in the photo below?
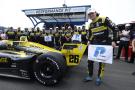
point(99, 43)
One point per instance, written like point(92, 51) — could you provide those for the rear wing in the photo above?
point(73, 53)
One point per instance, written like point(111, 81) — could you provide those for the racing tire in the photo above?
point(49, 68)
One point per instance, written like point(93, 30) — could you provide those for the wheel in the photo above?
point(49, 68)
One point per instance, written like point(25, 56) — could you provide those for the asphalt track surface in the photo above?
point(117, 77)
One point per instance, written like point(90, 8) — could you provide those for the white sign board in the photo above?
point(100, 53)
point(47, 38)
point(77, 37)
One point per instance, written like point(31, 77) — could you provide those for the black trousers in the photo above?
point(122, 44)
point(100, 68)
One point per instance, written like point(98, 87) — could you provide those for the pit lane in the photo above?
point(117, 77)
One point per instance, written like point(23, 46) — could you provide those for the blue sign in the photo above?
point(99, 51)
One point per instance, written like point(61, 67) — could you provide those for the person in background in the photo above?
point(3, 36)
point(124, 42)
point(37, 35)
point(62, 37)
point(57, 39)
point(18, 33)
point(11, 34)
point(42, 37)
point(99, 35)
point(26, 32)
point(49, 39)
point(52, 35)
point(79, 30)
point(84, 34)
point(77, 37)
point(68, 35)
point(32, 35)
point(133, 46)
point(75, 28)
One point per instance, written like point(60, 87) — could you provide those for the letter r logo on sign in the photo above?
point(99, 51)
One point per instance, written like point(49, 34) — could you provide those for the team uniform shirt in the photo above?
point(32, 36)
point(18, 35)
point(57, 38)
point(11, 35)
point(68, 37)
point(84, 35)
point(37, 37)
point(100, 29)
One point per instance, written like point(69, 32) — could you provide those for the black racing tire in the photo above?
point(49, 68)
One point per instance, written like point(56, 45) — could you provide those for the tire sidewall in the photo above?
point(41, 60)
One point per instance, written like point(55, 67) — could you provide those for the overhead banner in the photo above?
point(100, 53)
point(55, 10)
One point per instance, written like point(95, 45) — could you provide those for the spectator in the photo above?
point(124, 41)
point(133, 46)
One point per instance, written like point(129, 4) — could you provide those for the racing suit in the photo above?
point(11, 34)
point(99, 34)
point(57, 40)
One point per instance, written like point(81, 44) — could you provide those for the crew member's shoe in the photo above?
point(88, 78)
point(98, 81)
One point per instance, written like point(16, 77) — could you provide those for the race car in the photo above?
point(28, 60)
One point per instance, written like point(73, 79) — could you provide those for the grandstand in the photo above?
point(59, 16)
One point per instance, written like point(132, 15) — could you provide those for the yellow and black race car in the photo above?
point(27, 60)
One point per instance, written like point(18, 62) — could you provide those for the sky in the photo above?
point(119, 11)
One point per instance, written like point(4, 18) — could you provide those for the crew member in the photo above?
point(84, 34)
point(11, 34)
point(37, 35)
point(18, 33)
point(57, 38)
point(32, 35)
point(62, 37)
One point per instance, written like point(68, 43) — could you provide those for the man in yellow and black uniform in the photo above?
point(84, 34)
point(99, 35)
point(18, 33)
point(37, 35)
point(11, 34)
point(57, 39)
point(32, 35)
point(62, 36)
